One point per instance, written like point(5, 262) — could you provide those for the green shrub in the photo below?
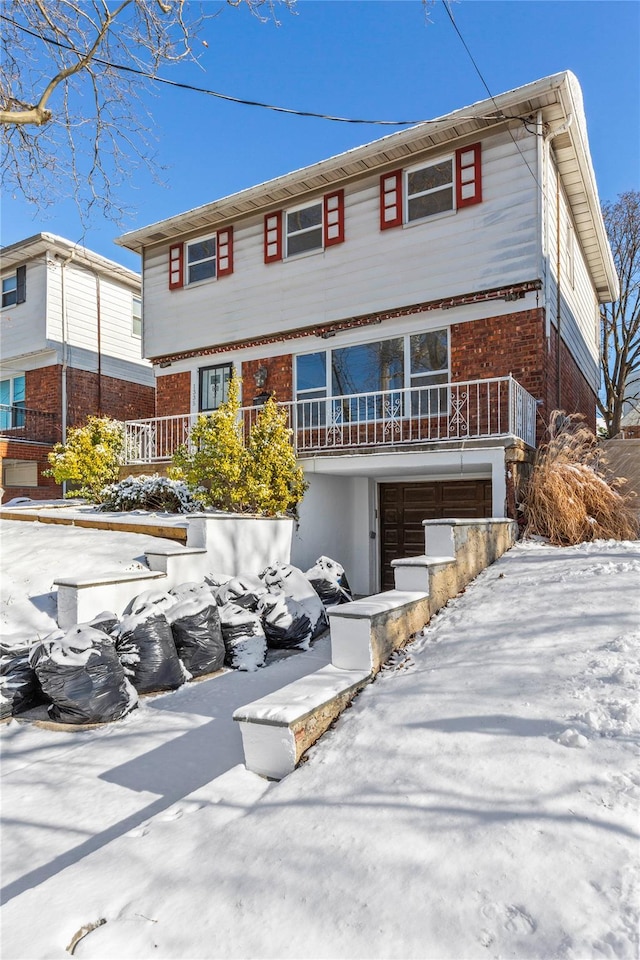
point(90, 458)
point(260, 476)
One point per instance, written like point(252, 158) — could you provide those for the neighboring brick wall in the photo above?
point(173, 395)
point(111, 397)
point(279, 378)
point(47, 489)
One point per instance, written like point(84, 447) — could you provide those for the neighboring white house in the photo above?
point(404, 301)
point(71, 329)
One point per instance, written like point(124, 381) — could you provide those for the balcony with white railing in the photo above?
point(476, 409)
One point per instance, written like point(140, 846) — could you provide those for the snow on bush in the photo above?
point(150, 493)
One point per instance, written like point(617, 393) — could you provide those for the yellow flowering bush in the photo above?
point(90, 458)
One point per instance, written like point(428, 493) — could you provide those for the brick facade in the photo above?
point(47, 489)
point(173, 395)
point(279, 381)
point(120, 399)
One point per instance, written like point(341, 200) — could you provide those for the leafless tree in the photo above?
point(620, 321)
point(74, 80)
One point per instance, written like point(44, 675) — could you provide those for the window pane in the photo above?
point(302, 219)
point(431, 203)
point(311, 371)
point(301, 242)
point(437, 175)
point(202, 271)
point(429, 352)
point(19, 390)
point(9, 291)
point(202, 250)
point(368, 367)
point(214, 386)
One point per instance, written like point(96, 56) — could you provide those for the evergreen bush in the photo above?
point(154, 493)
point(90, 458)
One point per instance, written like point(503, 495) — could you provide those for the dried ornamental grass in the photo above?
point(571, 497)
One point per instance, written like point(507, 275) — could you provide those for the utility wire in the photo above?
point(249, 103)
point(445, 4)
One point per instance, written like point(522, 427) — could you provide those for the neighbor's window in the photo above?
point(20, 473)
point(12, 402)
point(304, 229)
point(429, 190)
point(201, 260)
point(10, 291)
point(136, 317)
point(311, 388)
point(214, 385)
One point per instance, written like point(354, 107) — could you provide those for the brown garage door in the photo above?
point(403, 507)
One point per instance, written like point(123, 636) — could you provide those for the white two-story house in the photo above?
point(71, 329)
point(419, 304)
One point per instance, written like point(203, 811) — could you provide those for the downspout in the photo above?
point(99, 343)
point(65, 350)
point(550, 136)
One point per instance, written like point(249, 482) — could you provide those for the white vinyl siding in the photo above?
point(373, 270)
point(579, 313)
point(22, 326)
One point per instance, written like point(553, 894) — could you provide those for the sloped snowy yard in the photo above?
point(480, 799)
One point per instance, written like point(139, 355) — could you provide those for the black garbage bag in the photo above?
point(244, 591)
point(81, 674)
point(285, 622)
point(197, 634)
point(289, 580)
point(155, 600)
point(244, 640)
point(328, 579)
point(105, 621)
point(19, 685)
point(147, 651)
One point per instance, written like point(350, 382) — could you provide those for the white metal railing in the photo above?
point(494, 407)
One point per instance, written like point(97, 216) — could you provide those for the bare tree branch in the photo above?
point(73, 122)
point(620, 321)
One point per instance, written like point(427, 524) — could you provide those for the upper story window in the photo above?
point(315, 226)
point(440, 186)
point(207, 258)
point(430, 190)
point(136, 316)
point(304, 229)
point(201, 260)
point(14, 287)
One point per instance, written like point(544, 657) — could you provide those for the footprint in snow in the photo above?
point(509, 916)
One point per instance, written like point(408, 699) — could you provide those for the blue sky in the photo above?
point(375, 59)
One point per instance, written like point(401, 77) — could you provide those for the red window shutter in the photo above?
point(273, 236)
point(391, 200)
point(176, 266)
point(334, 218)
point(224, 243)
point(468, 176)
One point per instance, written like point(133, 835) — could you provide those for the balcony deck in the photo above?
point(30, 426)
point(476, 409)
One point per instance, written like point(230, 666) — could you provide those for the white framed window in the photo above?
point(20, 473)
point(201, 259)
point(10, 291)
point(373, 377)
point(303, 229)
point(136, 316)
point(429, 190)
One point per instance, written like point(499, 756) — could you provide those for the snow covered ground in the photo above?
point(480, 799)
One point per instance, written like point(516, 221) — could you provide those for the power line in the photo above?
point(445, 4)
